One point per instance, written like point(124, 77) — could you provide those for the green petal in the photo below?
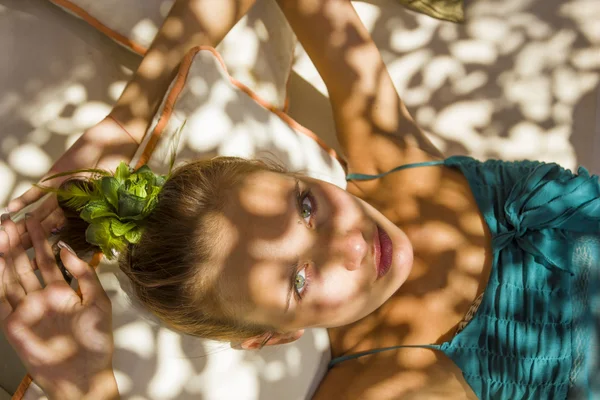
point(122, 172)
point(98, 233)
point(145, 172)
point(110, 187)
point(119, 228)
point(160, 180)
point(130, 206)
point(96, 209)
point(134, 235)
point(151, 200)
point(138, 188)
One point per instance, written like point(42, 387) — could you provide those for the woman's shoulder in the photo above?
point(407, 373)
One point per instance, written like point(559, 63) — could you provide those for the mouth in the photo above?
point(382, 252)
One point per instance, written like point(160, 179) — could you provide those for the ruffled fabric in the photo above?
point(544, 207)
point(536, 333)
point(526, 340)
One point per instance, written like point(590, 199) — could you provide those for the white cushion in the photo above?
point(258, 51)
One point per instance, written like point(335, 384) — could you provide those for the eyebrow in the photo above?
point(294, 267)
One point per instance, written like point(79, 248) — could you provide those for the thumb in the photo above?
point(89, 284)
point(27, 198)
point(34, 193)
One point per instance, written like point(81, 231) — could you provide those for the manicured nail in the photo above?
point(65, 272)
point(63, 245)
point(5, 217)
point(56, 231)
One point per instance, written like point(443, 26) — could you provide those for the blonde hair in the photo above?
point(168, 268)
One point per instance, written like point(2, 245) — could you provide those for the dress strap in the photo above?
point(364, 177)
point(338, 360)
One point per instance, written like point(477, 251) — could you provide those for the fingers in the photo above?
point(48, 212)
point(89, 284)
point(52, 221)
point(18, 330)
point(12, 290)
point(20, 261)
point(43, 252)
point(27, 198)
point(5, 307)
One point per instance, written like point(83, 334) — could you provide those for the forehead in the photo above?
point(258, 232)
point(261, 194)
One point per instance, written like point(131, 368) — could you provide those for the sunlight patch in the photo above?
point(29, 160)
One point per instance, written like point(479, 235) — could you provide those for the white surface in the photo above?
point(518, 80)
point(258, 51)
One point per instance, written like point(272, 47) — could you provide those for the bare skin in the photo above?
point(432, 206)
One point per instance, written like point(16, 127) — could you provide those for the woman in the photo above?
point(435, 278)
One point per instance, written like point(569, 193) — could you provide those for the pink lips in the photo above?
point(382, 252)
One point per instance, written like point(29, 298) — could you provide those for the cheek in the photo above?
point(340, 293)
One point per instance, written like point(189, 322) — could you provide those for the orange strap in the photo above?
point(81, 13)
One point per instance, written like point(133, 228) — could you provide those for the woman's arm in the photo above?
point(190, 23)
point(374, 128)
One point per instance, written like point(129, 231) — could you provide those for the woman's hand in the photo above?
point(102, 146)
point(190, 23)
point(65, 341)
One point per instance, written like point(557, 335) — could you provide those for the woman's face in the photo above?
point(299, 252)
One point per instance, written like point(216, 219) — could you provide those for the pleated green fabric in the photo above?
point(536, 333)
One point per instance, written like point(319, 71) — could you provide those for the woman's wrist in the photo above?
point(108, 143)
point(102, 386)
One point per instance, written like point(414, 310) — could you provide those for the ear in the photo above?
point(256, 342)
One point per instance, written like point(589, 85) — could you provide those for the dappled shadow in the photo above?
point(507, 84)
point(56, 105)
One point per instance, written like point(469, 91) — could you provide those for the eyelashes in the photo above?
point(307, 205)
point(307, 208)
point(301, 282)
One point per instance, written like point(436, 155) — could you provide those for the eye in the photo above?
point(300, 282)
point(306, 209)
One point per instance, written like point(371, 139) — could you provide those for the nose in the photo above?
point(350, 248)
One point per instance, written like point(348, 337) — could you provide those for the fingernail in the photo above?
point(63, 245)
point(28, 215)
point(56, 231)
point(66, 274)
point(5, 217)
point(1, 254)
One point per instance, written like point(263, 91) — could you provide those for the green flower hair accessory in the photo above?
point(114, 206)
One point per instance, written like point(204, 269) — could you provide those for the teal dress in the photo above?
point(536, 333)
